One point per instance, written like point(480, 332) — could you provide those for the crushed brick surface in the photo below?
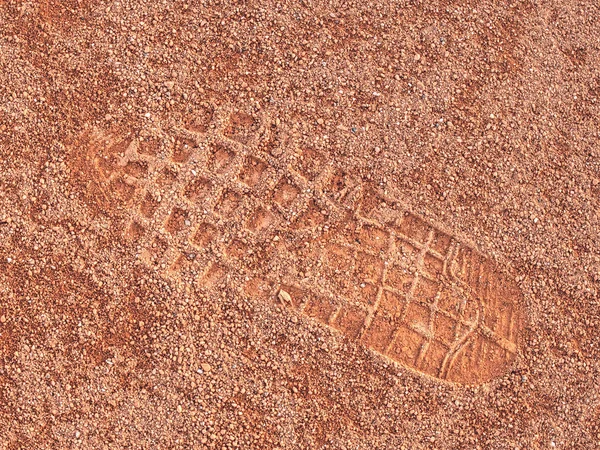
point(281, 225)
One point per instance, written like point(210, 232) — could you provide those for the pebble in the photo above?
point(206, 367)
point(284, 297)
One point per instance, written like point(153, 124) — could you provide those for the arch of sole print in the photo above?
point(226, 194)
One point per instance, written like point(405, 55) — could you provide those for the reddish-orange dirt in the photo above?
point(279, 225)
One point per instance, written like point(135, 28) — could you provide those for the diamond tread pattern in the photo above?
point(229, 194)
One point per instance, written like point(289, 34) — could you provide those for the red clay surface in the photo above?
point(299, 225)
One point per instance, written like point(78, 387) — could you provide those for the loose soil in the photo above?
point(299, 225)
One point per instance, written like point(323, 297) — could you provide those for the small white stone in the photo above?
point(284, 297)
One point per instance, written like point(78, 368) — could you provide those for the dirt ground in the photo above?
point(299, 225)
